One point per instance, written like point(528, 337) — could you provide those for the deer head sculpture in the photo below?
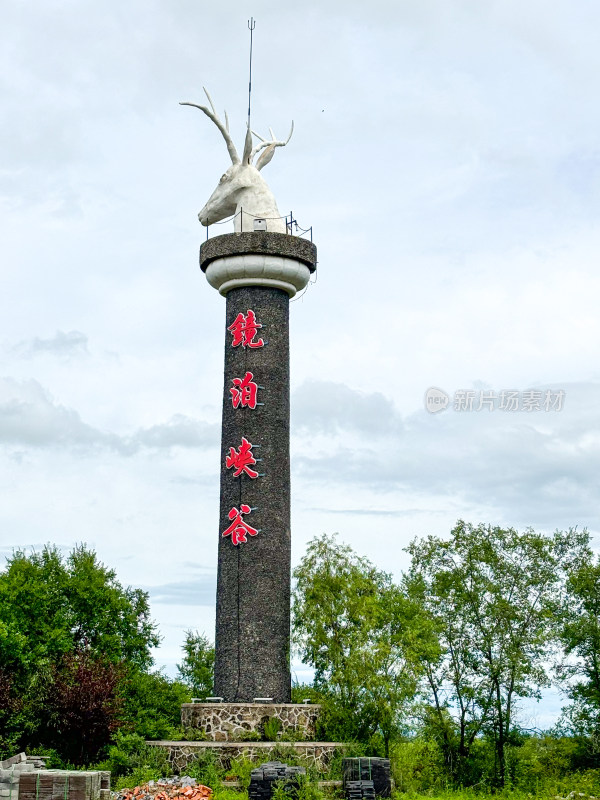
point(242, 190)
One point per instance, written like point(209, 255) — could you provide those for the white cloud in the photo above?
point(199, 591)
point(179, 431)
point(541, 464)
point(62, 345)
point(327, 408)
point(446, 155)
point(30, 417)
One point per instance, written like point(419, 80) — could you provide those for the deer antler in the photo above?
point(212, 114)
point(270, 145)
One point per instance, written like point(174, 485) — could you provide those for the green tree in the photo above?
point(580, 636)
point(61, 616)
point(197, 670)
point(492, 594)
point(362, 636)
point(50, 606)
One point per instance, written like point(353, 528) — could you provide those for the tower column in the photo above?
point(258, 272)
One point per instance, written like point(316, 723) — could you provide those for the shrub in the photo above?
point(130, 755)
point(241, 768)
point(82, 706)
point(307, 790)
point(271, 728)
point(152, 705)
point(138, 777)
point(206, 769)
point(418, 766)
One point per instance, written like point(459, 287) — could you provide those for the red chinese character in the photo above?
point(238, 528)
point(241, 459)
point(243, 391)
point(244, 329)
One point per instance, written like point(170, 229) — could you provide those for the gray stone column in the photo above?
point(257, 272)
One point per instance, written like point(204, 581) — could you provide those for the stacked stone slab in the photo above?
point(10, 773)
point(25, 778)
point(365, 770)
point(9, 781)
point(64, 785)
point(264, 779)
point(359, 790)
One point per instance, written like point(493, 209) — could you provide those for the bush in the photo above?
point(418, 766)
point(540, 761)
point(130, 755)
point(306, 691)
point(82, 706)
point(138, 777)
point(153, 705)
point(287, 755)
point(271, 728)
point(11, 716)
point(205, 768)
point(191, 735)
point(241, 768)
point(307, 790)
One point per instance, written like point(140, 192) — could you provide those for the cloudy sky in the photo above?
point(446, 153)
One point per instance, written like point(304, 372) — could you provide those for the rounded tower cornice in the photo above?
point(260, 258)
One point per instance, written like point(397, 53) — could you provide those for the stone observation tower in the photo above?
point(258, 268)
point(257, 272)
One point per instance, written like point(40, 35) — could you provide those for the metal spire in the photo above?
point(251, 26)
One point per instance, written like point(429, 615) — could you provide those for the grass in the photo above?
point(545, 791)
point(417, 770)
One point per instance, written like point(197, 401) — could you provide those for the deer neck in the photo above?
point(257, 202)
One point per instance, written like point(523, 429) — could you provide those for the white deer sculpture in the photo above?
point(242, 190)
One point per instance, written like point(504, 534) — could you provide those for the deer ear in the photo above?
point(247, 147)
point(266, 155)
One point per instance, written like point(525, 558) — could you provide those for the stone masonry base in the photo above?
point(226, 722)
point(181, 754)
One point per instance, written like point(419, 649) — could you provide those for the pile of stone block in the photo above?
point(375, 771)
point(54, 784)
point(26, 778)
point(263, 779)
point(10, 772)
point(359, 790)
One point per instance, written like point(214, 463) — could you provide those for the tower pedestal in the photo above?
point(231, 722)
point(258, 273)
